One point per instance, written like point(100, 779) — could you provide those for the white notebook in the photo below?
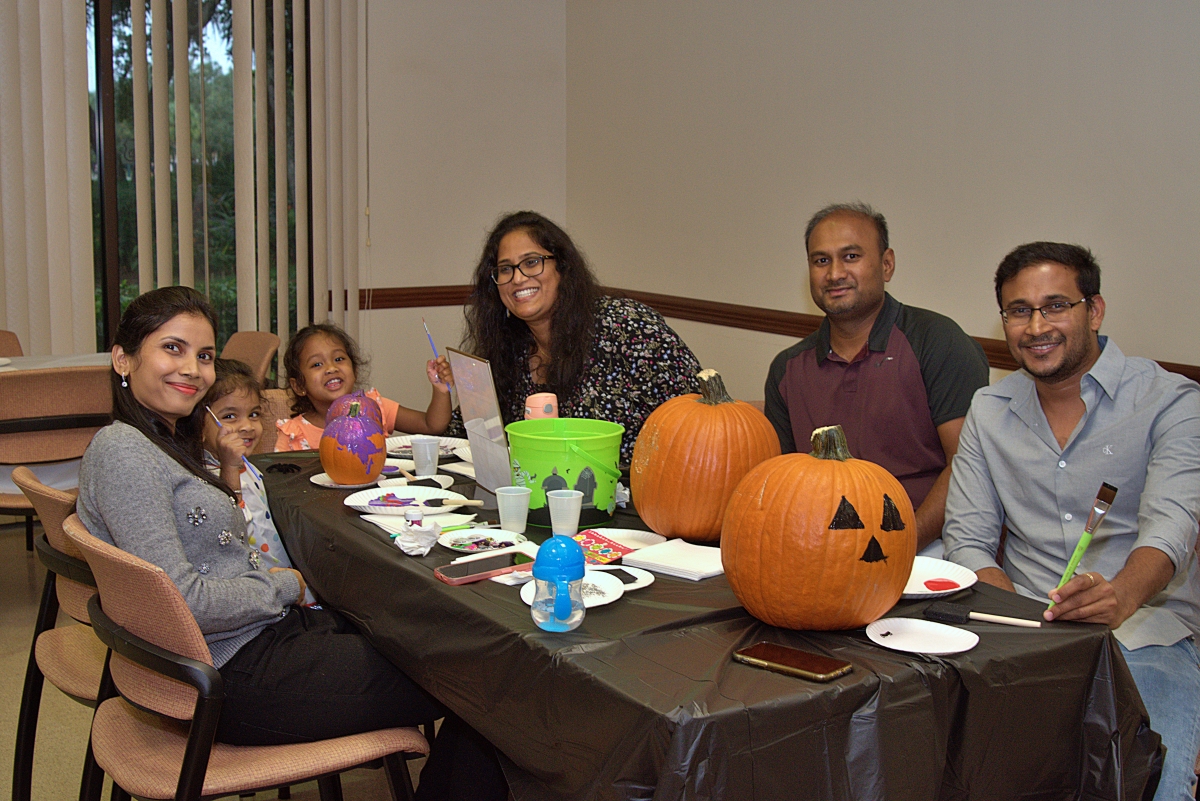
point(678, 558)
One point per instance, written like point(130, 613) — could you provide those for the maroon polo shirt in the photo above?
point(918, 370)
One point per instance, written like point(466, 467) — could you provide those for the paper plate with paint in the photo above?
point(921, 636)
point(935, 578)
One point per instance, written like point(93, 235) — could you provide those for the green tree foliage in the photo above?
point(212, 165)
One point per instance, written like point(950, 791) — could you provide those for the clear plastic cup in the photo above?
point(564, 511)
point(425, 455)
point(513, 505)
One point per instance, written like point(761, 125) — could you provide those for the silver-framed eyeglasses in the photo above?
point(529, 266)
point(1053, 312)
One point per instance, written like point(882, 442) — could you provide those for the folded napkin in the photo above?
point(678, 558)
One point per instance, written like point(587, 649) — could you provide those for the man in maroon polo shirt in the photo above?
point(897, 379)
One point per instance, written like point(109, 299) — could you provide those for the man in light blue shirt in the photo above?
point(1034, 450)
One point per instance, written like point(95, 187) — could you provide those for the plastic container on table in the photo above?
point(558, 591)
point(567, 453)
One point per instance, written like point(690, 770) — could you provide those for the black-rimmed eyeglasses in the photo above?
point(1053, 312)
point(529, 267)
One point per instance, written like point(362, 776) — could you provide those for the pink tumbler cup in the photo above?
point(543, 404)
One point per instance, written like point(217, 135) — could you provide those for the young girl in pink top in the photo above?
point(323, 364)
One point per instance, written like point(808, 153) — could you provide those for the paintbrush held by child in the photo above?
point(323, 363)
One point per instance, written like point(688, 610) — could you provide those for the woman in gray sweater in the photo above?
point(291, 673)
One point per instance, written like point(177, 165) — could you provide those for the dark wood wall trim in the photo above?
point(413, 297)
point(732, 315)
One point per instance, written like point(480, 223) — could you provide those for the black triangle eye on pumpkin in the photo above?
point(846, 517)
point(892, 521)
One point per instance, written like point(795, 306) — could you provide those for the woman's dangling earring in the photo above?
point(124, 381)
point(507, 313)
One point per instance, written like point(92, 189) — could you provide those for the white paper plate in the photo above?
point(599, 589)
point(401, 445)
point(921, 636)
point(460, 468)
point(360, 501)
point(445, 482)
point(5, 360)
point(644, 577)
point(393, 524)
point(323, 479)
point(463, 452)
point(488, 539)
point(926, 569)
point(632, 537)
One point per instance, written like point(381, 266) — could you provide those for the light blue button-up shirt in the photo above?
point(1140, 432)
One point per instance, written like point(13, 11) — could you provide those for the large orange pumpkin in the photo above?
point(353, 448)
point(820, 541)
point(691, 453)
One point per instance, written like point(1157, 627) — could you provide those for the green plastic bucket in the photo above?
point(567, 453)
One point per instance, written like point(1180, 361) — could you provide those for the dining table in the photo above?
point(644, 700)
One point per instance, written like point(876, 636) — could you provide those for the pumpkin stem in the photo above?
point(354, 409)
point(712, 388)
point(830, 443)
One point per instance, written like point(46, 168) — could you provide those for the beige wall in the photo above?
point(684, 144)
point(467, 120)
point(700, 137)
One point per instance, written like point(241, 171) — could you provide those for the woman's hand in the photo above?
point(439, 373)
point(299, 578)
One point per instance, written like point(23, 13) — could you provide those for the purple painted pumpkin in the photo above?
point(341, 406)
point(353, 448)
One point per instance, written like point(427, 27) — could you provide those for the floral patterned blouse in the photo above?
point(637, 363)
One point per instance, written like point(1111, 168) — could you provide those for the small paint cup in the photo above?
point(543, 404)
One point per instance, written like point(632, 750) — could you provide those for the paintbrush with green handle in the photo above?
point(1100, 507)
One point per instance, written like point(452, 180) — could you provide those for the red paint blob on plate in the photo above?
point(941, 584)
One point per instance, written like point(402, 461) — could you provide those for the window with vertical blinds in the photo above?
point(216, 120)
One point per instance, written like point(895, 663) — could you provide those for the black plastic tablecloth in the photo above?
point(644, 701)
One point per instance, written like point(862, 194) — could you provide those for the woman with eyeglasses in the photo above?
point(540, 318)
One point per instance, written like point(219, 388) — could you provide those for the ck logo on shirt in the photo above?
point(1108, 451)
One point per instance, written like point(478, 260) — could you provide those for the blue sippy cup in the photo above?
point(558, 578)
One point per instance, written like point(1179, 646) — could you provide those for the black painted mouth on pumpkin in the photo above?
point(873, 553)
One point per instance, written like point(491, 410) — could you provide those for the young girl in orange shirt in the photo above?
point(323, 364)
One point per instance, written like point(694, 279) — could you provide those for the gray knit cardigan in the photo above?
point(138, 498)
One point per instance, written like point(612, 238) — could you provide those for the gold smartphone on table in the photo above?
point(793, 662)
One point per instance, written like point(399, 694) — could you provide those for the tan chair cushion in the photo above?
point(10, 344)
point(15, 502)
point(255, 348)
point(53, 507)
point(48, 393)
point(277, 405)
point(72, 659)
point(73, 598)
point(141, 598)
point(144, 753)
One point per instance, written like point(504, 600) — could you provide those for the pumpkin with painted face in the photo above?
point(818, 541)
